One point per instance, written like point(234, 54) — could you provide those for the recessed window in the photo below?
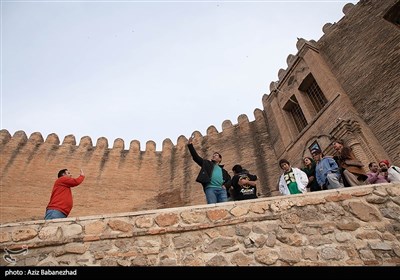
point(314, 93)
point(294, 109)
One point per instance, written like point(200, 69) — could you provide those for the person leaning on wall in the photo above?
point(61, 202)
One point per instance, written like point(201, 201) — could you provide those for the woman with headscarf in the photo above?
point(393, 172)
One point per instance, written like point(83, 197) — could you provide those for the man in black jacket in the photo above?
point(213, 177)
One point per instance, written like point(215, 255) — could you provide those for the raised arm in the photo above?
point(199, 160)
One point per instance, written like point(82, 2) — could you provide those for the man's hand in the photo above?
point(83, 174)
point(243, 181)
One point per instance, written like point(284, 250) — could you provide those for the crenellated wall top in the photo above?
point(69, 140)
point(20, 138)
point(85, 142)
point(118, 145)
point(53, 139)
point(36, 138)
point(5, 136)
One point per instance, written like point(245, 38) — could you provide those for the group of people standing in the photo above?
point(331, 172)
point(319, 173)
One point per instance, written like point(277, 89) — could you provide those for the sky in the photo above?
point(145, 70)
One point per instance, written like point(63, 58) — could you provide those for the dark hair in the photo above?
point(311, 159)
point(218, 154)
point(370, 164)
point(282, 161)
point(237, 168)
point(339, 141)
point(61, 172)
point(316, 151)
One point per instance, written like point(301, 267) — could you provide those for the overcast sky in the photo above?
point(145, 70)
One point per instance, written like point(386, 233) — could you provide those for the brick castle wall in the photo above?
point(362, 51)
point(119, 180)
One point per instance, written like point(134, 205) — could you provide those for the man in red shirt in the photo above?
point(61, 197)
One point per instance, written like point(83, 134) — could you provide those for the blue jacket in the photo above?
point(324, 166)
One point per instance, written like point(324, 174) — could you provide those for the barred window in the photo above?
point(317, 98)
point(294, 109)
point(314, 93)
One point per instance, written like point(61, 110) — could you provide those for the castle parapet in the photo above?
point(167, 146)
point(102, 143)
point(86, 142)
point(119, 145)
point(347, 8)
point(243, 119)
point(18, 140)
point(258, 114)
point(36, 138)
point(150, 146)
point(5, 137)
point(53, 139)
point(212, 130)
point(226, 124)
point(134, 147)
point(69, 140)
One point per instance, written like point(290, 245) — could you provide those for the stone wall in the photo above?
point(347, 227)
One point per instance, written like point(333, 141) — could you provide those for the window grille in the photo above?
point(295, 111)
point(317, 98)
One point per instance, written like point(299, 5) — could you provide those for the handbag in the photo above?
point(353, 162)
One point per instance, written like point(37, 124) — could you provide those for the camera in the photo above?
point(384, 169)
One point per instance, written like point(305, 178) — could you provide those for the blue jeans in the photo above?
point(54, 214)
point(215, 195)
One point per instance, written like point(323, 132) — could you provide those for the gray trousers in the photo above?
point(333, 182)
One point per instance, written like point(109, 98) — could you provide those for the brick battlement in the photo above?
point(20, 138)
